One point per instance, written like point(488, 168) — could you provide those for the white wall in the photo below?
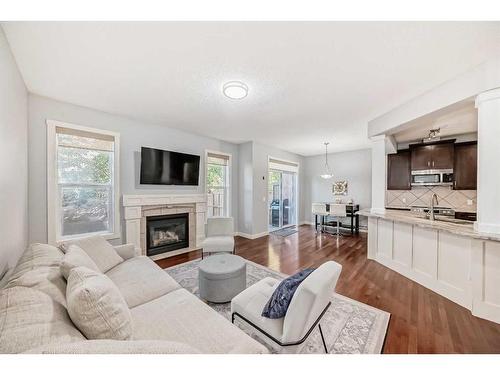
point(133, 135)
point(379, 171)
point(253, 195)
point(488, 155)
point(13, 159)
point(245, 192)
point(353, 166)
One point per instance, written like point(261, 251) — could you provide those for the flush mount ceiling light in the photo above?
point(235, 90)
point(327, 174)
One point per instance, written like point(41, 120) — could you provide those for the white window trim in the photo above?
point(229, 178)
point(282, 164)
point(292, 168)
point(52, 211)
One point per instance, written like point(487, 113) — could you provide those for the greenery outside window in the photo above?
point(84, 191)
point(218, 184)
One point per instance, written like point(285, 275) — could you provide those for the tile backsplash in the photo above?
point(421, 196)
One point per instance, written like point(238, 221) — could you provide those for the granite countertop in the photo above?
point(408, 208)
point(409, 217)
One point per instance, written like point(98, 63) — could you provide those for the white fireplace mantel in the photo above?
point(134, 205)
point(152, 199)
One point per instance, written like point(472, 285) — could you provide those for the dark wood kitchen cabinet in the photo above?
point(421, 157)
point(465, 168)
point(432, 156)
point(398, 171)
point(442, 156)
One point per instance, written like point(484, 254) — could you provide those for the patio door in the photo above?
point(282, 198)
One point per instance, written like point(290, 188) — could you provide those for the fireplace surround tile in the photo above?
point(139, 207)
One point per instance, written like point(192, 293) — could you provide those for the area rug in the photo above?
point(285, 231)
point(349, 326)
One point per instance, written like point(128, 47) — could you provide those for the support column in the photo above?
point(379, 172)
point(488, 169)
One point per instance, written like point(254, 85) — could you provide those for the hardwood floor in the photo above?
point(421, 320)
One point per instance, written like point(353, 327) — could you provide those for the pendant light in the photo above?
point(326, 173)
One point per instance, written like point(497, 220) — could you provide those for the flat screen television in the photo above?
point(160, 167)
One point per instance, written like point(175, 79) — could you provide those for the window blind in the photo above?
point(74, 138)
point(283, 165)
point(217, 159)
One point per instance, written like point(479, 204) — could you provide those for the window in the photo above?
point(218, 183)
point(82, 172)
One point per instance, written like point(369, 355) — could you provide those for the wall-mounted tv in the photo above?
point(160, 167)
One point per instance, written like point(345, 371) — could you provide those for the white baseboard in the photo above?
point(251, 236)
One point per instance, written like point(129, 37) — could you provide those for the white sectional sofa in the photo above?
point(166, 318)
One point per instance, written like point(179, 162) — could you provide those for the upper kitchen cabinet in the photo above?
point(398, 171)
point(421, 157)
point(465, 166)
point(432, 156)
point(442, 156)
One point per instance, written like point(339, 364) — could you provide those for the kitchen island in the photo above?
point(449, 258)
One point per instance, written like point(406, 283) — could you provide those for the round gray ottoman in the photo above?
point(221, 277)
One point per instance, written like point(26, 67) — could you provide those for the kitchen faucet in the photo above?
point(431, 206)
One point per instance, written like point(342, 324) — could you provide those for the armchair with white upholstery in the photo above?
point(219, 236)
point(308, 305)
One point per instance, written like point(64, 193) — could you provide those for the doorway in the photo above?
point(282, 199)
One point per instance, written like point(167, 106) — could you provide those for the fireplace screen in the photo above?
point(167, 233)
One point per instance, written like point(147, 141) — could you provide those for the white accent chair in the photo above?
point(338, 211)
point(219, 236)
point(309, 303)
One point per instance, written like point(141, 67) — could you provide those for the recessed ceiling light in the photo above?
point(235, 90)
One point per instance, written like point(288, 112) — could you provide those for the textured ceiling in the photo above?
point(309, 82)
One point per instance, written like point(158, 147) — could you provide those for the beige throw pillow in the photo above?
point(76, 257)
point(30, 318)
point(99, 250)
point(35, 257)
point(96, 306)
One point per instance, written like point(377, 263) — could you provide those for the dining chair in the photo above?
point(338, 211)
point(319, 209)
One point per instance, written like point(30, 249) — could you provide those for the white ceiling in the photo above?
point(309, 81)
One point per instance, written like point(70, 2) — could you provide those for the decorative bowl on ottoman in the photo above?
point(222, 277)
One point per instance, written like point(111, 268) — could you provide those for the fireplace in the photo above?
point(167, 233)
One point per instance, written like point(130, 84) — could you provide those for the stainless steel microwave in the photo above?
point(432, 177)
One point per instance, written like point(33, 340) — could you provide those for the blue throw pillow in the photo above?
point(278, 304)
